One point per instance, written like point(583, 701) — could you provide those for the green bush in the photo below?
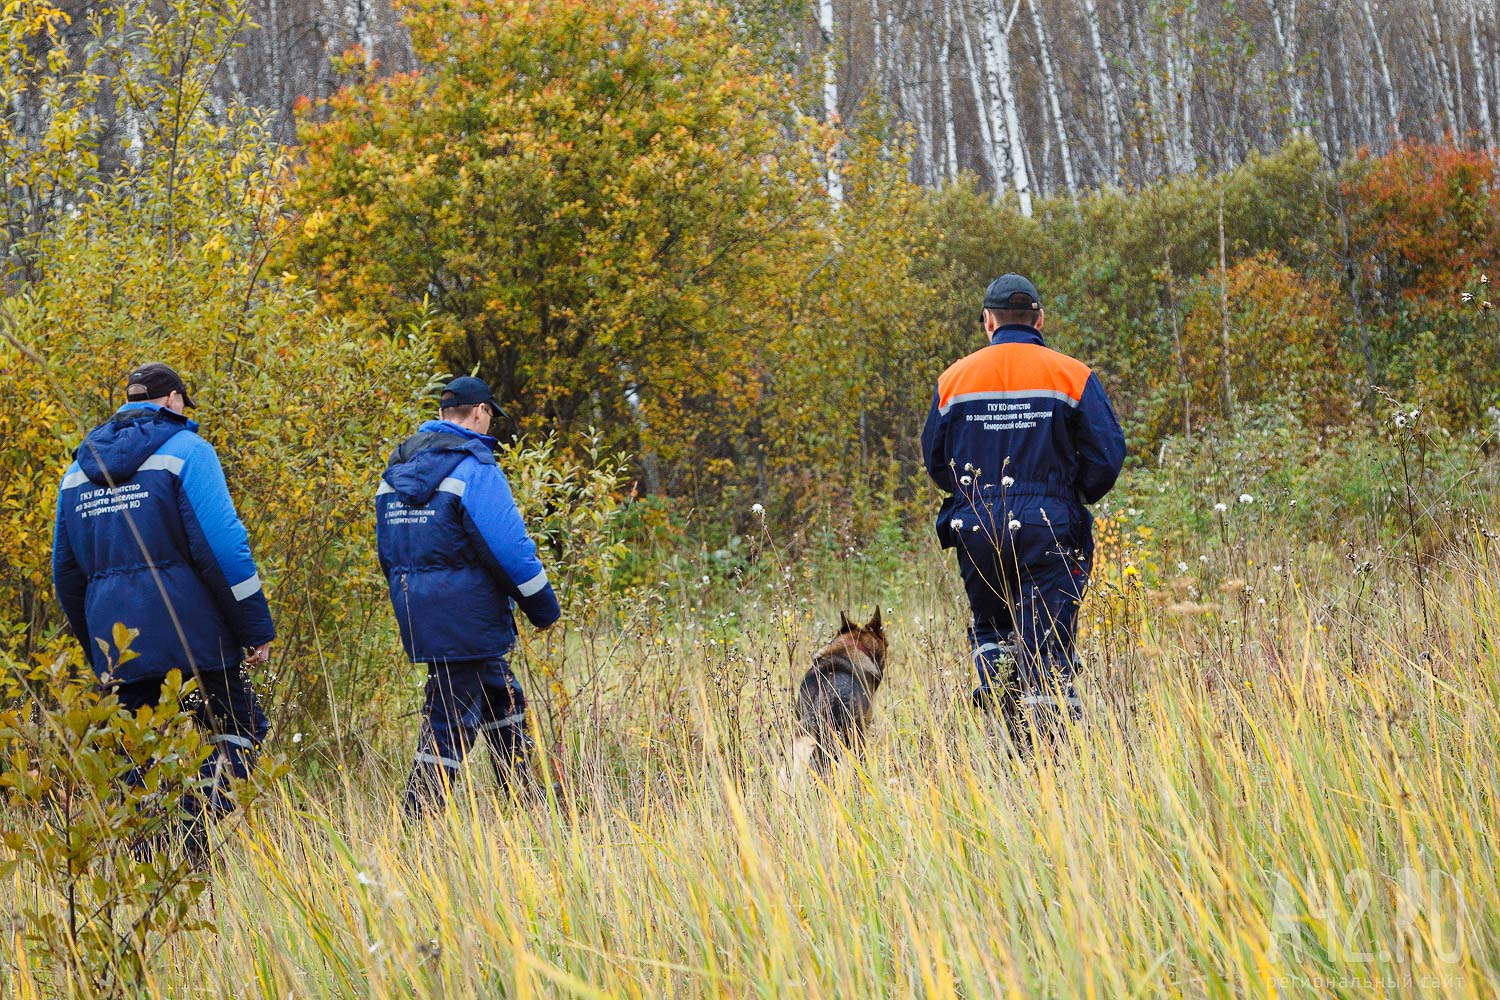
point(95, 801)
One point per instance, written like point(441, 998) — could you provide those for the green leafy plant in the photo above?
point(97, 802)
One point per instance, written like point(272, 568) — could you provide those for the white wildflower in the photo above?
point(1246, 498)
point(1467, 296)
point(1400, 420)
point(957, 524)
point(1007, 481)
point(966, 480)
point(1220, 508)
point(1015, 525)
point(296, 737)
point(1182, 567)
point(758, 510)
point(704, 581)
point(1484, 279)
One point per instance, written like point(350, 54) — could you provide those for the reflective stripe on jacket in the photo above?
point(454, 549)
point(1016, 425)
point(147, 536)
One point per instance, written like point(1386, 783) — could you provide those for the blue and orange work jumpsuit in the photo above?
point(1020, 437)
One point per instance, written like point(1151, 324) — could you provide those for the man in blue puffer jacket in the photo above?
point(147, 537)
point(458, 560)
point(1020, 437)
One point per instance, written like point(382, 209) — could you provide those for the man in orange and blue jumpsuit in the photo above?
point(1020, 437)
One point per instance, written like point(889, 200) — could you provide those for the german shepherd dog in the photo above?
point(836, 700)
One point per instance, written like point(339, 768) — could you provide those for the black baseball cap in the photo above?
point(154, 380)
point(466, 391)
point(1011, 291)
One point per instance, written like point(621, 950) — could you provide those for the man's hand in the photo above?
point(259, 655)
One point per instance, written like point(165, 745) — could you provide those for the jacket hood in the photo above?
point(112, 452)
point(421, 462)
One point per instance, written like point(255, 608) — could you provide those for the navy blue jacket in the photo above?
point(147, 536)
point(1018, 430)
point(454, 548)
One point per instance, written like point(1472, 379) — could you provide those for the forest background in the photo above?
point(634, 222)
point(713, 257)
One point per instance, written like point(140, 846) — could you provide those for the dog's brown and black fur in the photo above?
point(836, 700)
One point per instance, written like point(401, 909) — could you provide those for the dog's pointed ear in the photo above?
point(845, 625)
point(875, 625)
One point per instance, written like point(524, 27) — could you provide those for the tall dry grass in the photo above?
point(1299, 797)
point(1295, 798)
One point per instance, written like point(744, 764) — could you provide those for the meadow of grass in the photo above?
point(1286, 785)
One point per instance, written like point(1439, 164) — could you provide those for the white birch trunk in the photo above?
point(1437, 61)
point(945, 95)
point(1356, 130)
point(982, 108)
point(1378, 49)
point(1114, 119)
point(830, 99)
point(997, 63)
point(275, 58)
point(134, 144)
point(1158, 137)
point(1455, 54)
point(1171, 111)
point(1481, 78)
point(913, 101)
point(1284, 23)
point(357, 16)
point(1178, 118)
point(1332, 121)
point(1049, 78)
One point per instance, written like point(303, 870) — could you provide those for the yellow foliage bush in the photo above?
point(165, 260)
point(1283, 342)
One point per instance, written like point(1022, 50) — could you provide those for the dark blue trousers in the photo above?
point(226, 707)
point(1025, 582)
point(467, 701)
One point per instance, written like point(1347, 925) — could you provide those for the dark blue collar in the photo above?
point(144, 410)
point(1018, 333)
point(449, 427)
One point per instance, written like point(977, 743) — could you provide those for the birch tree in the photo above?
point(830, 98)
point(945, 95)
point(997, 28)
point(983, 111)
point(1438, 71)
point(1481, 77)
point(1377, 51)
point(1049, 78)
point(1111, 90)
point(1284, 23)
point(1114, 118)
